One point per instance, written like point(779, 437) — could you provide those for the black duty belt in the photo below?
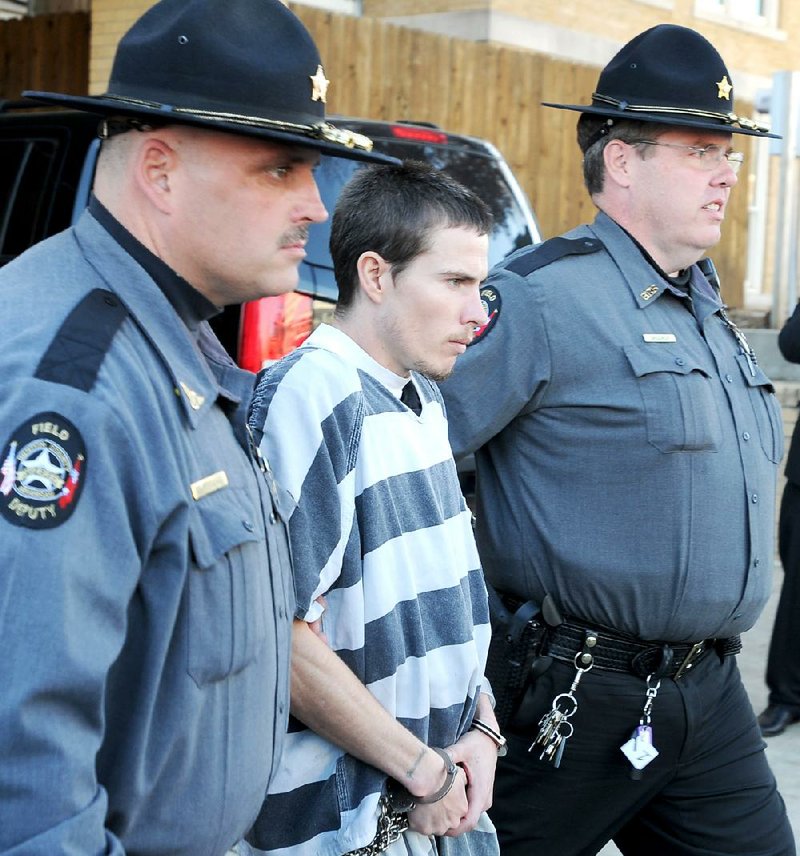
point(620, 653)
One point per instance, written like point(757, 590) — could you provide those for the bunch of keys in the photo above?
point(554, 727)
point(639, 750)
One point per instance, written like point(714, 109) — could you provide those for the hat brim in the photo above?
point(104, 106)
point(677, 121)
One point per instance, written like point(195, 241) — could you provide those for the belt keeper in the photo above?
point(585, 657)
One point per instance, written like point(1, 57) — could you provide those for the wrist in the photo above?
point(427, 774)
point(450, 773)
point(492, 733)
point(403, 799)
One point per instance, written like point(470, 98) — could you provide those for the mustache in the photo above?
point(299, 234)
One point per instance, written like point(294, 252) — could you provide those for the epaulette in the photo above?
point(78, 349)
point(551, 251)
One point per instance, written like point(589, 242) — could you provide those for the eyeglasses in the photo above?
point(705, 157)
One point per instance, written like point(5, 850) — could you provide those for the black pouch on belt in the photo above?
point(516, 643)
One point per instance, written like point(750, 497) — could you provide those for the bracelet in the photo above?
point(496, 736)
point(451, 771)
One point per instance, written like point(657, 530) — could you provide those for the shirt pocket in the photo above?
point(678, 399)
point(227, 585)
point(766, 410)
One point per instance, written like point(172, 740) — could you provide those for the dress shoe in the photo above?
point(775, 718)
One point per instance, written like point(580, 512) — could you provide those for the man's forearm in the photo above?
point(332, 701)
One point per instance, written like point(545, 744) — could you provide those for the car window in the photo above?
point(26, 167)
point(481, 173)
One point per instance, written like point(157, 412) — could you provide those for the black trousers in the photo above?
point(709, 792)
point(783, 664)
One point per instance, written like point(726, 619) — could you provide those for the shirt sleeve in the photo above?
point(789, 337)
point(69, 565)
point(312, 415)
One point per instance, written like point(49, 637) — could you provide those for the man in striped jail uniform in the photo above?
point(394, 741)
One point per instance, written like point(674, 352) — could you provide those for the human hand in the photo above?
point(476, 754)
point(441, 817)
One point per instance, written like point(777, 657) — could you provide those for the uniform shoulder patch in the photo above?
point(491, 300)
point(551, 251)
point(42, 472)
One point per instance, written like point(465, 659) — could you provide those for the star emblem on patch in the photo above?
point(319, 86)
point(42, 471)
point(724, 87)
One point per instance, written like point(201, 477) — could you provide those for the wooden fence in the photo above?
point(45, 52)
point(383, 71)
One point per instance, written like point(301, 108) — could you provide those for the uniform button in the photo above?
point(679, 361)
point(248, 525)
point(729, 378)
point(746, 435)
point(756, 562)
point(754, 498)
point(272, 518)
point(281, 613)
point(280, 708)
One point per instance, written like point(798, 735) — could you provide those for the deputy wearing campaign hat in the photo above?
point(146, 590)
point(626, 443)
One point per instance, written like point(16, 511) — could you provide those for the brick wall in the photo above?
point(110, 19)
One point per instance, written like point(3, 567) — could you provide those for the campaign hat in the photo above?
point(242, 66)
point(670, 75)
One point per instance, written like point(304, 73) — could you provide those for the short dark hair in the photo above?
point(392, 210)
point(594, 134)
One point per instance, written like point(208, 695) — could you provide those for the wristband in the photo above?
point(496, 736)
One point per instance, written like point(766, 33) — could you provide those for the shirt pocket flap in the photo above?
point(680, 409)
point(221, 522)
point(645, 360)
point(228, 592)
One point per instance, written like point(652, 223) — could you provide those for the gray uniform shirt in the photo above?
point(626, 448)
point(145, 602)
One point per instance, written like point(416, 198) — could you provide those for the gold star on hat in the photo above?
point(724, 87)
point(320, 85)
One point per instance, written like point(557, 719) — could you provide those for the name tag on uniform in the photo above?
point(210, 484)
point(659, 337)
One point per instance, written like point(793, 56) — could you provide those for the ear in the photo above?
point(617, 157)
point(155, 168)
point(371, 266)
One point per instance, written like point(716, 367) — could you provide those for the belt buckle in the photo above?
point(689, 660)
